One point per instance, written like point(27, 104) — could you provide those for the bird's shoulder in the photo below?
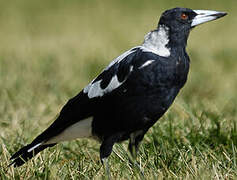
point(119, 70)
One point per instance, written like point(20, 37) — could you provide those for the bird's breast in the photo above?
point(181, 70)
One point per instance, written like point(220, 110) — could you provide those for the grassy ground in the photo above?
point(50, 50)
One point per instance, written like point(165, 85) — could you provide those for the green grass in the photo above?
point(50, 50)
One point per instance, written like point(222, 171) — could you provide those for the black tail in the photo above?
point(21, 156)
point(76, 109)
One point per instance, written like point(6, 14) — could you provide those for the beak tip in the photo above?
point(221, 14)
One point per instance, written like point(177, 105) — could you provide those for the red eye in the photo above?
point(184, 16)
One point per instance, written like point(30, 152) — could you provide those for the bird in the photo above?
point(131, 94)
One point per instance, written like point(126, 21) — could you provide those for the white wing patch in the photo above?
point(121, 57)
point(95, 90)
point(146, 64)
point(114, 83)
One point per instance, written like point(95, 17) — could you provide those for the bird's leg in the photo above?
point(105, 150)
point(133, 148)
point(106, 167)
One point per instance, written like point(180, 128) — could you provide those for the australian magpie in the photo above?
point(131, 94)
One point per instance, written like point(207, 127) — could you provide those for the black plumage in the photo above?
point(131, 94)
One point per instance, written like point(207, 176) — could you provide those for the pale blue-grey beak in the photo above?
point(205, 16)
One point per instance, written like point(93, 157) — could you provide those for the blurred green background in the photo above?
point(49, 50)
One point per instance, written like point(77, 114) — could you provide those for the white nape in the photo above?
point(156, 42)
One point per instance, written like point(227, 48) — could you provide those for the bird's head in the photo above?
point(179, 21)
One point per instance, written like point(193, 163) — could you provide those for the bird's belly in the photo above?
point(131, 113)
